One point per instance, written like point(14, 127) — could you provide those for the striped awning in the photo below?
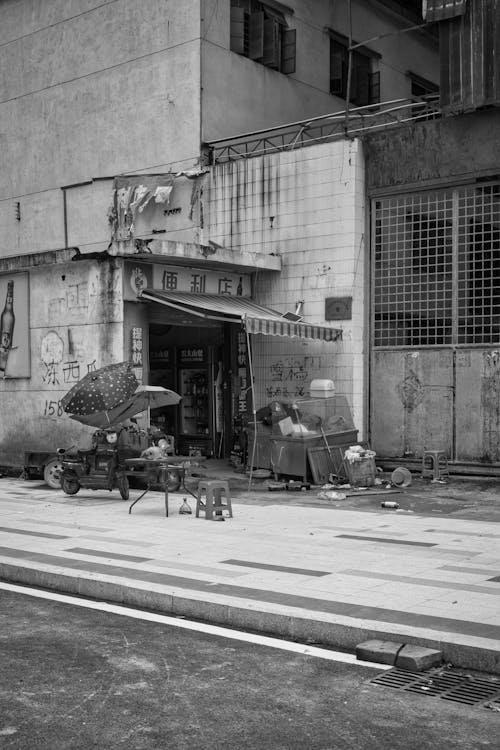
point(256, 318)
point(280, 327)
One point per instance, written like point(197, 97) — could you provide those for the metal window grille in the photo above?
point(436, 268)
point(479, 265)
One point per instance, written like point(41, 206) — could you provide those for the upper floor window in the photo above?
point(364, 86)
point(421, 87)
point(423, 91)
point(259, 31)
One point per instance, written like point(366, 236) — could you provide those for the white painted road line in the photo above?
point(237, 635)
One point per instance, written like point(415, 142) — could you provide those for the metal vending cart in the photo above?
point(311, 441)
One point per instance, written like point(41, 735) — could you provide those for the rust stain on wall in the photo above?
point(411, 391)
point(490, 404)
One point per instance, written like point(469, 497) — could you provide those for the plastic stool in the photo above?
point(435, 464)
point(213, 490)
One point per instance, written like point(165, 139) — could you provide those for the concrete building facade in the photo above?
point(99, 101)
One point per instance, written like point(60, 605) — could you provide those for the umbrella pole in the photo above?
point(254, 412)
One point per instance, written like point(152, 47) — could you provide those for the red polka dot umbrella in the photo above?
point(101, 390)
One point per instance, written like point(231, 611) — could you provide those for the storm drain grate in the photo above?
point(448, 685)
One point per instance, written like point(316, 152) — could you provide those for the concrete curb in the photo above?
point(334, 632)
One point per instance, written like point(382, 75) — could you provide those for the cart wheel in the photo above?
point(123, 486)
point(173, 480)
point(52, 473)
point(70, 484)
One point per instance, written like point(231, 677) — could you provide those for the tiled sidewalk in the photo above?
point(328, 575)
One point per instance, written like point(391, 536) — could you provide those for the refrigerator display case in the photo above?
point(162, 373)
point(196, 406)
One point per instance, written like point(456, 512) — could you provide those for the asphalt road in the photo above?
point(77, 678)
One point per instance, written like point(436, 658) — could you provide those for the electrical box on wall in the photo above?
point(338, 308)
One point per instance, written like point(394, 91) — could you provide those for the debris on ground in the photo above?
point(331, 495)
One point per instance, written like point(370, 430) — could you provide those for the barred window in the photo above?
point(436, 268)
point(479, 266)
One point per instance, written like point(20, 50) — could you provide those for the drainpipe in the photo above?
point(65, 217)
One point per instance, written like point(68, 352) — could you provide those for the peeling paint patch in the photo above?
point(411, 391)
point(490, 406)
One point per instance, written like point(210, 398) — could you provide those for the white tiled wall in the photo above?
point(316, 198)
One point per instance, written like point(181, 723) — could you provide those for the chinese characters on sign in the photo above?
point(137, 346)
point(198, 282)
point(160, 355)
point(137, 351)
point(169, 281)
point(192, 355)
point(183, 279)
point(242, 372)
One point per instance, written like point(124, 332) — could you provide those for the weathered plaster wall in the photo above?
point(90, 89)
point(307, 206)
point(451, 148)
point(76, 324)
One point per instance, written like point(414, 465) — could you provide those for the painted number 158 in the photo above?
point(52, 409)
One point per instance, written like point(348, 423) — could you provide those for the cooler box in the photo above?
point(322, 389)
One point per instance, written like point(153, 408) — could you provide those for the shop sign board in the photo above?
point(160, 356)
point(242, 372)
point(137, 349)
point(139, 276)
point(192, 355)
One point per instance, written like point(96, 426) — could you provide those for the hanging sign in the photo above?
point(192, 355)
point(137, 346)
point(243, 375)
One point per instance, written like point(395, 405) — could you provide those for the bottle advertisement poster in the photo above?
point(14, 326)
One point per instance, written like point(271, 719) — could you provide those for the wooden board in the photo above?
point(320, 464)
point(370, 491)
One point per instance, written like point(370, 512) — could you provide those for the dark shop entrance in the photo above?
point(195, 361)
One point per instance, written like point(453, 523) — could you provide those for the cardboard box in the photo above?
point(285, 426)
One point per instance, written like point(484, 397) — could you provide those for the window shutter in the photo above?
point(256, 36)
point(238, 30)
point(336, 70)
point(360, 80)
point(271, 43)
point(288, 51)
point(352, 93)
point(374, 86)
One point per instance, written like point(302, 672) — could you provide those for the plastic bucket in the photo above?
point(401, 477)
